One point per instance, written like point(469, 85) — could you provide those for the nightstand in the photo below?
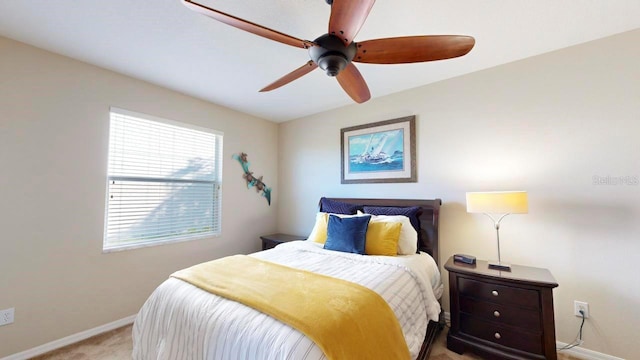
point(501, 314)
point(270, 241)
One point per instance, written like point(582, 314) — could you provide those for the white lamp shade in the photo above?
point(498, 202)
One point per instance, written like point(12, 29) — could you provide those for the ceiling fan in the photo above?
point(335, 51)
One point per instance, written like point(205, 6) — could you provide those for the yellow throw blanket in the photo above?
point(346, 320)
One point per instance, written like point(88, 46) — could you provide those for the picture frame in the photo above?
point(380, 152)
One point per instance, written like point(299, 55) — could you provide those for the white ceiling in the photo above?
point(163, 42)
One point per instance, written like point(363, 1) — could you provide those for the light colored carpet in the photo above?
point(112, 345)
point(117, 345)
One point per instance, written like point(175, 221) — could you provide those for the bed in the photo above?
point(182, 321)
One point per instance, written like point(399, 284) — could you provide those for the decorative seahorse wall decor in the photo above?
point(252, 180)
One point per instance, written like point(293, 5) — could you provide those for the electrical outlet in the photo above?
point(581, 305)
point(6, 316)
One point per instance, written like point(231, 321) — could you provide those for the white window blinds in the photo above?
point(164, 181)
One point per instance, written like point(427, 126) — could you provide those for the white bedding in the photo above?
point(181, 321)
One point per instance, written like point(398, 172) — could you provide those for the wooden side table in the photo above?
point(501, 314)
point(270, 241)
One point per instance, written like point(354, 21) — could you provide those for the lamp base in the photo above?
point(498, 265)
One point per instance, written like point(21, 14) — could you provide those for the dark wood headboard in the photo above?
point(429, 215)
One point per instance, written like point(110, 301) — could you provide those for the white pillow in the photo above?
point(408, 243)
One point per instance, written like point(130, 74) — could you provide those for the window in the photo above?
point(164, 181)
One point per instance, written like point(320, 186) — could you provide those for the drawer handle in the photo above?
point(496, 313)
point(494, 293)
point(497, 336)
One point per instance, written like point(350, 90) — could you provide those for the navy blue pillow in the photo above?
point(412, 212)
point(347, 234)
point(337, 207)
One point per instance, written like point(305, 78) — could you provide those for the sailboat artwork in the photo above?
point(379, 151)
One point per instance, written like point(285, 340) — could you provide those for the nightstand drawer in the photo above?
point(498, 293)
point(502, 314)
point(501, 334)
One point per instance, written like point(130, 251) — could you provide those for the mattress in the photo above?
point(181, 321)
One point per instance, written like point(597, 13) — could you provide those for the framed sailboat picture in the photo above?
point(380, 152)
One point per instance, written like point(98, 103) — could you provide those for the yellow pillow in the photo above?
point(319, 232)
point(382, 238)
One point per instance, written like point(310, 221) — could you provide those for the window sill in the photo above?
point(118, 248)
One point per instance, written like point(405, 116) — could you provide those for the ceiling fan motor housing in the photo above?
point(331, 54)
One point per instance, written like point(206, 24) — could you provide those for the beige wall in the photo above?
point(54, 120)
point(546, 125)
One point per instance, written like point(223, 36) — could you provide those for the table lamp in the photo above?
point(497, 204)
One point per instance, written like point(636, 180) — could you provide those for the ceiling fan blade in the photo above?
point(347, 17)
point(353, 84)
point(248, 26)
point(413, 49)
point(295, 74)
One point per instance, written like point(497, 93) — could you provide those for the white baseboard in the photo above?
point(585, 354)
point(71, 339)
point(578, 352)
